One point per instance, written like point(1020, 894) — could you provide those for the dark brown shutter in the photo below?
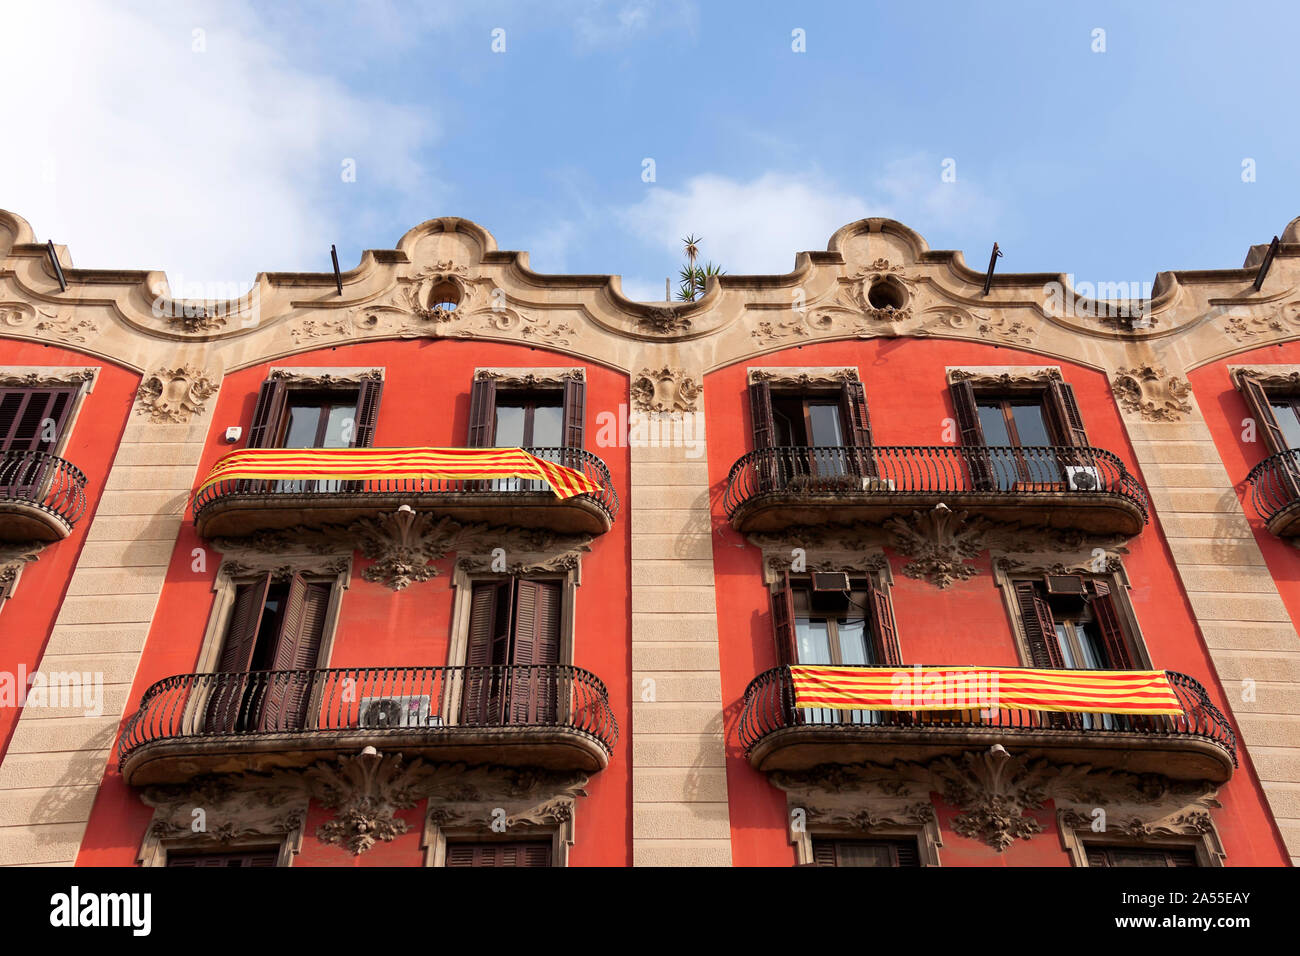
point(760, 411)
point(226, 688)
point(1064, 410)
point(1112, 634)
point(367, 413)
point(24, 414)
point(972, 434)
point(884, 628)
point(529, 854)
point(1262, 411)
point(297, 651)
point(857, 426)
point(246, 858)
point(823, 852)
point(535, 648)
point(575, 412)
point(482, 696)
point(268, 414)
point(783, 630)
point(1040, 629)
point(482, 413)
point(906, 853)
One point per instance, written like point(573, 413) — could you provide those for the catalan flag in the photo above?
point(980, 688)
point(361, 464)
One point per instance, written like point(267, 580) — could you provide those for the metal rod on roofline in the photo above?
point(338, 278)
point(58, 269)
point(1263, 266)
point(993, 261)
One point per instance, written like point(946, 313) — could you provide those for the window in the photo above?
point(1019, 433)
point(31, 422)
point(816, 436)
point(512, 653)
point(1140, 856)
point(532, 418)
point(865, 853)
point(244, 858)
point(319, 420)
point(524, 853)
point(1286, 412)
point(274, 626)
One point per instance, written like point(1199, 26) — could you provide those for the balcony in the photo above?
point(41, 496)
point(1199, 744)
point(240, 506)
point(1083, 489)
point(1275, 493)
point(556, 717)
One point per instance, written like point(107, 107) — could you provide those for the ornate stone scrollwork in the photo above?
point(365, 792)
point(803, 377)
point(174, 395)
point(45, 377)
point(530, 377)
point(13, 558)
point(940, 542)
point(1000, 377)
point(1151, 393)
point(1283, 321)
point(52, 323)
point(665, 390)
point(663, 321)
point(327, 378)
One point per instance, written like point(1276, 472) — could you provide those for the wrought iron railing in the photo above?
point(1275, 484)
point(44, 481)
point(770, 706)
point(383, 700)
point(950, 470)
point(576, 458)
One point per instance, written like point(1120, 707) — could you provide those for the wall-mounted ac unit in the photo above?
point(1082, 478)
point(381, 712)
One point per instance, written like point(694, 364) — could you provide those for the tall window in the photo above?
point(274, 626)
point(514, 643)
point(866, 853)
point(31, 421)
point(548, 420)
point(1014, 437)
point(817, 438)
point(319, 420)
point(1287, 413)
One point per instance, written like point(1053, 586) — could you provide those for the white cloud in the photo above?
point(598, 24)
point(753, 227)
point(913, 186)
point(138, 152)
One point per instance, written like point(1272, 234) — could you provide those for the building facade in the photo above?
point(1005, 497)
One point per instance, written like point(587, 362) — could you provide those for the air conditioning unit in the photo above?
point(836, 581)
point(1082, 478)
point(382, 712)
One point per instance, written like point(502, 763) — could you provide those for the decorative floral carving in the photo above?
point(940, 542)
point(399, 544)
point(46, 377)
point(663, 321)
point(1002, 329)
point(174, 395)
point(1006, 378)
point(13, 558)
point(803, 377)
point(665, 390)
point(530, 378)
point(365, 791)
point(51, 322)
point(193, 319)
point(1152, 393)
point(327, 379)
point(1244, 328)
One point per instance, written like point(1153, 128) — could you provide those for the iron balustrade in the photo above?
point(770, 706)
point(950, 470)
point(44, 481)
point(1275, 484)
point(576, 458)
point(380, 700)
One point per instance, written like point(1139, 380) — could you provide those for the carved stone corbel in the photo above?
point(1151, 393)
point(365, 792)
point(940, 542)
point(174, 395)
point(665, 390)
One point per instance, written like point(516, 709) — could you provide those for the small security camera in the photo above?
point(233, 433)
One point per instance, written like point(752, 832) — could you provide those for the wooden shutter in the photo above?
point(1112, 634)
point(268, 414)
point(906, 853)
point(226, 689)
point(857, 426)
point(783, 627)
point(33, 419)
point(1262, 411)
point(972, 434)
point(536, 645)
point(760, 411)
point(522, 854)
point(823, 852)
point(883, 628)
point(1064, 410)
point(367, 413)
point(1040, 629)
point(482, 413)
point(575, 412)
point(246, 858)
point(482, 696)
point(297, 650)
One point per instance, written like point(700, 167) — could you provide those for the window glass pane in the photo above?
point(1289, 423)
point(826, 425)
point(341, 428)
point(1030, 424)
point(854, 645)
point(548, 426)
point(994, 425)
point(509, 427)
point(303, 423)
point(814, 641)
point(1090, 649)
point(863, 854)
point(1067, 649)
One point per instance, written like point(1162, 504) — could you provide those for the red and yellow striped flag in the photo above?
point(360, 464)
point(981, 688)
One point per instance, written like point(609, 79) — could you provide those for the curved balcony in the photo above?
point(1275, 493)
point(1084, 489)
point(1197, 745)
point(556, 716)
point(41, 496)
point(241, 506)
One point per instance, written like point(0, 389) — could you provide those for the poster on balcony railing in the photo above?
point(378, 464)
point(984, 688)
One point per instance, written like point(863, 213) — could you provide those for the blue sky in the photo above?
point(140, 143)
